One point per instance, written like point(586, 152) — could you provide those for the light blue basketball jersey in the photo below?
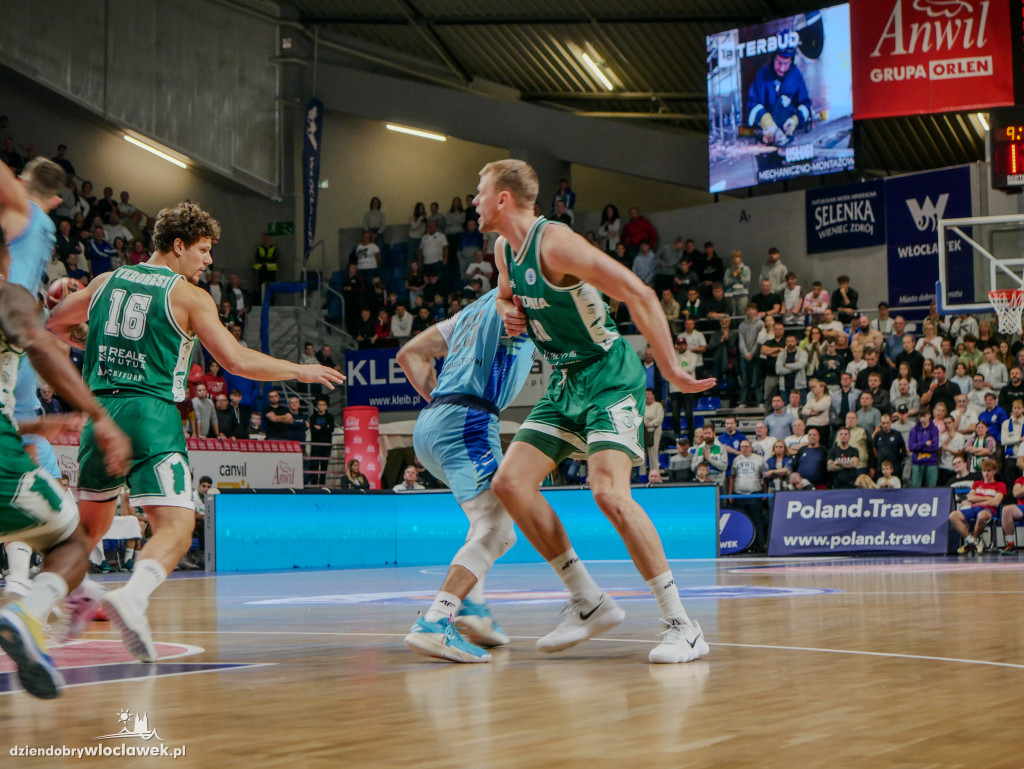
point(481, 360)
point(30, 251)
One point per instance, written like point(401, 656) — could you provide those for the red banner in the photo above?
point(362, 441)
point(921, 56)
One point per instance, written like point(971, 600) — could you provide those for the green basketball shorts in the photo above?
point(159, 472)
point(591, 408)
point(34, 507)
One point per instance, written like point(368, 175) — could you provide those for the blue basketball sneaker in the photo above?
point(441, 640)
point(22, 637)
point(479, 624)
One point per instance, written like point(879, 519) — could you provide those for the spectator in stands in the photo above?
point(940, 390)
point(830, 327)
point(561, 214)
point(879, 394)
point(910, 356)
point(749, 356)
point(409, 481)
point(54, 269)
point(883, 324)
point(730, 441)
point(471, 253)
point(224, 418)
point(712, 455)
point(993, 416)
point(923, 444)
point(68, 241)
point(903, 374)
point(844, 400)
point(771, 349)
point(364, 330)
point(971, 356)
point(353, 289)
point(61, 160)
point(654, 416)
point(872, 366)
point(608, 232)
point(203, 408)
point(888, 444)
point(242, 414)
point(679, 464)
point(401, 325)
point(367, 257)
point(831, 366)
point(774, 271)
point(636, 230)
point(868, 416)
point(951, 445)
point(797, 482)
point(276, 417)
point(670, 307)
point(1014, 389)
point(374, 220)
point(860, 440)
point(863, 336)
point(454, 226)
point(929, 345)
point(254, 429)
point(980, 446)
point(47, 402)
point(817, 412)
point(353, 479)
point(767, 302)
point(993, 372)
point(685, 279)
point(748, 478)
point(433, 252)
point(762, 442)
point(724, 350)
point(422, 321)
point(964, 416)
point(811, 460)
point(816, 303)
point(1011, 433)
point(777, 467)
point(887, 479)
point(959, 327)
point(73, 272)
point(564, 195)
point(645, 263)
point(976, 393)
point(792, 300)
point(1012, 513)
point(711, 269)
point(844, 300)
point(715, 306)
point(791, 366)
point(12, 157)
point(984, 500)
point(737, 284)
point(692, 363)
point(798, 439)
point(842, 461)
point(858, 364)
point(215, 383)
point(100, 253)
point(695, 341)
point(295, 430)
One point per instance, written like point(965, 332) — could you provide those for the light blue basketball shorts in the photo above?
point(460, 446)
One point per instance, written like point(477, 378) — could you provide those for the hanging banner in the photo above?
point(913, 57)
point(311, 145)
point(913, 206)
point(362, 441)
point(374, 378)
point(861, 521)
point(841, 218)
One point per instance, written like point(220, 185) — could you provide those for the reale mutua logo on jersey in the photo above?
point(926, 215)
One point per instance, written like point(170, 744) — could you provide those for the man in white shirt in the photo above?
point(994, 373)
point(883, 324)
point(763, 443)
point(830, 327)
point(959, 327)
point(798, 439)
point(816, 302)
point(409, 479)
point(433, 251)
point(401, 324)
point(964, 417)
point(114, 229)
point(792, 300)
point(695, 340)
point(748, 478)
point(367, 256)
point(976, 397)
point(480, 267)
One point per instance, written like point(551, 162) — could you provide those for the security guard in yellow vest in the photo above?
point(266, 263)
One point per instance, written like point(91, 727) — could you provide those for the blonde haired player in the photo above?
point(550, 283)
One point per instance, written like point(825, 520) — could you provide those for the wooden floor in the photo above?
point(833, 663)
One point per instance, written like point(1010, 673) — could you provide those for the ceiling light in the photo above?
point(154, 150)
point(983, 121)
point(597, 71)
point(416, 132)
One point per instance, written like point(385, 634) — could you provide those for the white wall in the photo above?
point(100, 155)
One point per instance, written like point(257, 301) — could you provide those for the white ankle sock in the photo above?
point(47, 589)
point(96, 556)
point(576, 578)
point(129, 553)
point(146, 578)
point(666, 593)
point(476, 595)
point(445, 605)
point(19, 560)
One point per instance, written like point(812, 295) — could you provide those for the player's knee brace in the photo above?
point(491, 534)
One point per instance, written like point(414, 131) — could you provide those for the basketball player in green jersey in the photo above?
point(34, 507)
point(143, 321)
point(550, 282)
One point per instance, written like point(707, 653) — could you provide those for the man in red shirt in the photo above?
point(1014, 513)
point(638, 229)
point(984, 499)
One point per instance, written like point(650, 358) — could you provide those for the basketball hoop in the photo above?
point(1008, 302)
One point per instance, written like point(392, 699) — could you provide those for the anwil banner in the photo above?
point(230, 464)
point(861, 521)
point(921, 56)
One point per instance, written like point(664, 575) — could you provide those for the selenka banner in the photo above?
point(913, 57)
point(311, 145)
point(861, 521)
point(841, 218)
point(230, 464)
point(913, 206)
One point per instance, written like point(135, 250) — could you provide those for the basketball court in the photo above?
point(308, 669)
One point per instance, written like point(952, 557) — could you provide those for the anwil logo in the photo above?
point(926, 217)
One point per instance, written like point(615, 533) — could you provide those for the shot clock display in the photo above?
point(1007, 135)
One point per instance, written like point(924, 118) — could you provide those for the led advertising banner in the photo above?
point(780, 100)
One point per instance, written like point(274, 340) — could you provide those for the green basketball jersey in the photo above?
point(134, 343)
point(569, 325)
point(10, 360)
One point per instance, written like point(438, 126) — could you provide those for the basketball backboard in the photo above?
point(978, 254)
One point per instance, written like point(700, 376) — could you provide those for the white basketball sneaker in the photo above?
point(132, 623)
point(680, 643)
point(580, 624)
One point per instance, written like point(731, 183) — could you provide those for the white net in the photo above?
point(1009, 304)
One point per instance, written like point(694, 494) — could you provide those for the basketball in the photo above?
point(60, 288)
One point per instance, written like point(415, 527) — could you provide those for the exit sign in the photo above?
point(281, 228)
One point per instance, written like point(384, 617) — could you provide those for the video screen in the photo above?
point(780, 100)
